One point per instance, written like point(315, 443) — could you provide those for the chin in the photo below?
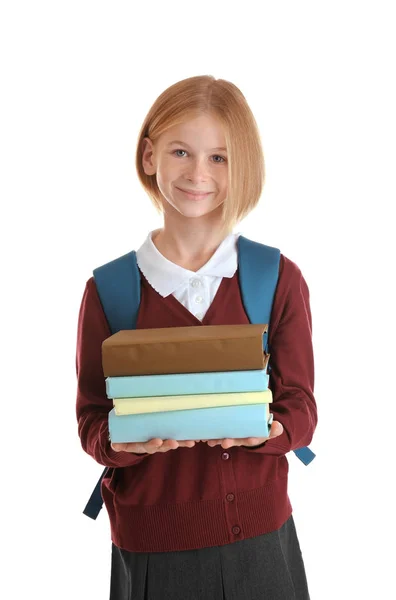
point(196, 212)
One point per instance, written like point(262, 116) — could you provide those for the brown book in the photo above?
point(193, 349)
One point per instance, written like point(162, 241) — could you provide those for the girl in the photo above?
point(207, 519)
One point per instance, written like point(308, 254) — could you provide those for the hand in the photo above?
point(152, 446)
point(276, 429)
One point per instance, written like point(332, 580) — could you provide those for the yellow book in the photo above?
point(135, 406)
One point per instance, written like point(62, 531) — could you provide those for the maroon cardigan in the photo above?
point(197, 497)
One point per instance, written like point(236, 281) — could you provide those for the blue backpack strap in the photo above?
point(95, 502)
point(258, 287)
point(118, 286)
point(258, 266)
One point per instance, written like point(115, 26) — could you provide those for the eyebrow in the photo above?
point(184, 144)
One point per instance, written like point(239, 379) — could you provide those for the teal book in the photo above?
point(196, 424)
point(184, 384)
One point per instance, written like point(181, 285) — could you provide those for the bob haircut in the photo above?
point(222, 100)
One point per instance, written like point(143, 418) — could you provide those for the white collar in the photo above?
point(165, 276)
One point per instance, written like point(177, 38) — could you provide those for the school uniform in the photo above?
point(203, 523)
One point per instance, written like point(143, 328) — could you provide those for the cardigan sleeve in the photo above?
point(93, 406)
point(292, 364)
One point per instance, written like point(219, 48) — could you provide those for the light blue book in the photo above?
point(196, 424)
point(139, 386)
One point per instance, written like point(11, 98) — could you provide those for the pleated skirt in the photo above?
point(267, 567)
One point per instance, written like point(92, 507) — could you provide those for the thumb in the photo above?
point(276, 429)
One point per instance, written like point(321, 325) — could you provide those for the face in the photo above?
point(190, 163)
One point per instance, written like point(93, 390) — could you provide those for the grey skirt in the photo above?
point(267, 567)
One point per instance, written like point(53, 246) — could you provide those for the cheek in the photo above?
point(166, 172)
point(223, 180)
point(165, 179)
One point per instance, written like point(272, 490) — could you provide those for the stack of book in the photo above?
point(187, 383)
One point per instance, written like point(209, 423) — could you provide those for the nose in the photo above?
point(197, 170)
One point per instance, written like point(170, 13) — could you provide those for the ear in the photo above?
point(148, 161)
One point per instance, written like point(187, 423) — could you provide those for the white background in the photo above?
point(77, 80)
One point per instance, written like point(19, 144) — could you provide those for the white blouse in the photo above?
point(195, 290)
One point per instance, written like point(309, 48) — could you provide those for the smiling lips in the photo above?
point(197, 195)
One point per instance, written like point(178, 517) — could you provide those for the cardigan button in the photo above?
point(225, 456)
point(230, 497)
point(236, 530)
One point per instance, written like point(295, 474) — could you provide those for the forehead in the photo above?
point(203, 131)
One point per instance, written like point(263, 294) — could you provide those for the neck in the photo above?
point(189, 243)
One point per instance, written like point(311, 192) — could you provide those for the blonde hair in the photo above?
point(223, 100)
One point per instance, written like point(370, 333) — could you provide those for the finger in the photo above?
point(252, 441)
point(169, 445)
point(229, 442)
point(118, 447)
point(187, 443)
point(137, 447)
point(213, 443)
point(128, 447)
point(276, 429)
point(152, 446)
point(224, 443)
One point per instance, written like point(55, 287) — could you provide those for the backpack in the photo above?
point(118, 286)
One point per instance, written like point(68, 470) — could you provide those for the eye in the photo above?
point(221, 157)
point(179, 150)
